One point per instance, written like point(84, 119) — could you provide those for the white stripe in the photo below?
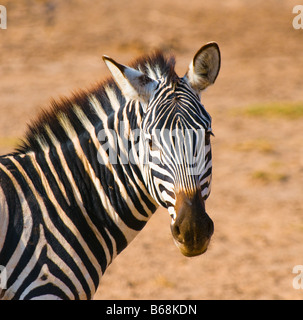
point(151, 73)
point(96, 105)
point(112, 98)
point(46, 297)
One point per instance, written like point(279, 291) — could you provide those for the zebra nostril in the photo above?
point(177, 233)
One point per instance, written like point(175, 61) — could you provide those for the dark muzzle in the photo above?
point(192, 228)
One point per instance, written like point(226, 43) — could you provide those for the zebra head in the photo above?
point(174, 147)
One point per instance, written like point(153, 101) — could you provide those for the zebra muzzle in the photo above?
point(192, 229)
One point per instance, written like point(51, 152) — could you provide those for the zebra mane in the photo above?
point(155, 65)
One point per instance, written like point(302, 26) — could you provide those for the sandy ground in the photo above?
point(53, 47)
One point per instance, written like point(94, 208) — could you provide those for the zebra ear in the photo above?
point(134, 84)
point(204, 68)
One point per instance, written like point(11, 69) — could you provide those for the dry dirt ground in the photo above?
point(53, 47)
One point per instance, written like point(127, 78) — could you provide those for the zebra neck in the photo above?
point(123, 145)
point(111, 168)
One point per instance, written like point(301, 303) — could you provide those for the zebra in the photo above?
point(92, 169)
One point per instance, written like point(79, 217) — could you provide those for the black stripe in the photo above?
point(48, 288)
point(170, 193)
point(206, 174)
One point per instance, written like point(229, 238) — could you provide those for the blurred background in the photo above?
point(50, 48)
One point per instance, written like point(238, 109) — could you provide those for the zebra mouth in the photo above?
point(191, 252)
point(188, 245)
